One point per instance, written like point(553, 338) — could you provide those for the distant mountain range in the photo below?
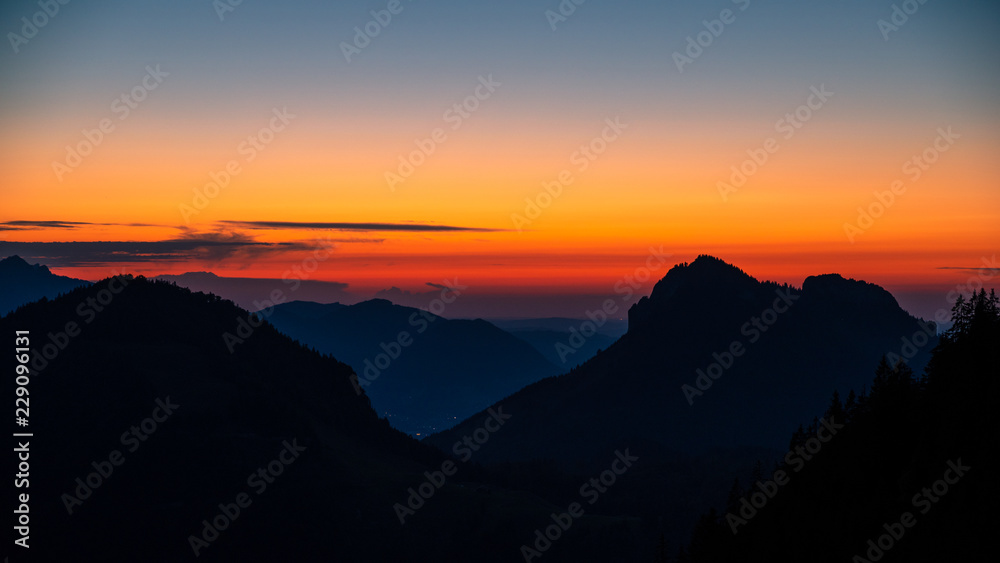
point(254, 293)
point(716, 371)
point(153, 441)
point(555, 337)
point(471, 362)
point(22, 283)
point(424, 372)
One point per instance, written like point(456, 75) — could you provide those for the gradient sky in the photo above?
point(322, 179)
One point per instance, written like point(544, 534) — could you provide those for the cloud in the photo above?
point(224, 226)
point(189, 246)
point(226, 242)
point(990, 271)
point(406, 227)
point(26, 225)
point(251, 292)
point(66, 254)
point(35, 225)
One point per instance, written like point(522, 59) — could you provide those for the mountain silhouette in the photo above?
point(910, 477)
point(828, 336)
point(443, 371)
point(254, 293)
point(113, 484)
point(105, 357)
point(693, 439)
point(22, 283)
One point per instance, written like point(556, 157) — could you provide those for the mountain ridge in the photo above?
point(210, 417)
point(675, 332)
point(23, 283)
point(422, 370)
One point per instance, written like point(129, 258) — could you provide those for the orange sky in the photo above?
point(648, 189)
point(653, 180)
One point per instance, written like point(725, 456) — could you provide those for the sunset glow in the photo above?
point(306, 137)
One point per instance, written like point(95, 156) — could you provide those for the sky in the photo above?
point(524, 149)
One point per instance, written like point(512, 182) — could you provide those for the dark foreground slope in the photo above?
point(423, 372)
point(144, 424)
point(912, 477)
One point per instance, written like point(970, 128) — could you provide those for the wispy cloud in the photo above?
point(35, 225)
point(210, 247)
point(65, 254)
point(972, 269)
point(374, 227)
point(17, 225)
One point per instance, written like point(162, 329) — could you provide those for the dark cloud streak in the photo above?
point(74, 254)
point(35, 225)
point(405, 227)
